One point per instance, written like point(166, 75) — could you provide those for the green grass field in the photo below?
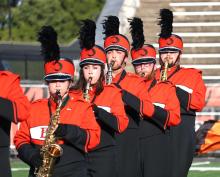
point(20, 169)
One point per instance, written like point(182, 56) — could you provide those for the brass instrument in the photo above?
point(163, 75)
point(109, 73)
point(50, 150)
point(86, 92)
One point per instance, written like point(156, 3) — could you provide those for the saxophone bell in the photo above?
point(55, 150)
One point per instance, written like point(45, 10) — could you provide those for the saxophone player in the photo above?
point(190, 89)
point(77, 131)
point(154, 130)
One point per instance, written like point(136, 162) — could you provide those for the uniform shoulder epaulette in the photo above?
point(8, 73)
point(43, 100)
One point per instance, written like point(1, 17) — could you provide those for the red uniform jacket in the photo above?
point(136, 86)
point(163, 94)
point(75, 112)
point(109, 100)
point(14, 104)
point(189, 82)
point(167, 109)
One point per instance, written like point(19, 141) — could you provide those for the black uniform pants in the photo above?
point(5, 169)
point(155, 152)
point(76, 169)
point(128, 155)
point(102, 162)
point(183, 146)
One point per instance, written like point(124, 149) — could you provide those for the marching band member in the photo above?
point(190, 90)
point(14, 108)
point(117, 48)
point(77, 131)
point(108, 106)
point(155, 144)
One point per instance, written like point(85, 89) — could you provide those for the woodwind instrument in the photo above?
point(50, 151)
point(86, 92)
point(163, 75)
point(109, 73)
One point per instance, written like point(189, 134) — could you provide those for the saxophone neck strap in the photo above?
point(65, 100)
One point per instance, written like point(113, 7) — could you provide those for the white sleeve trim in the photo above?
point(187, 89)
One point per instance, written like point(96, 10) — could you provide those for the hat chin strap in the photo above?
point(176, 62)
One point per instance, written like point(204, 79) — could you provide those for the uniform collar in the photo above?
point(54, 105)
point(119, 77)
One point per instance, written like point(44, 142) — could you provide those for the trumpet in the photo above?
point(109, 73)
point(163, 75)
point(86, 92)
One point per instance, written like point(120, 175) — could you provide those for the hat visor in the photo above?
point(115, 47)
point(91, 61)
point(169, 49)
point(144, 61)
point(57, 77)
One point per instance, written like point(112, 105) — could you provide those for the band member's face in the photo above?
point(144, 70)
point(170, 56)
point(119, 57)
point(93, 71)
point(63, 86)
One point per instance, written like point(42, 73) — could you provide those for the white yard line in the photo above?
point(19, 169)
point(192, 4)
point(200, 163)
point(204, 169)
point(208, 113)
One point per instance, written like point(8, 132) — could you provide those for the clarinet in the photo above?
point(86, 92)
point(109, 73)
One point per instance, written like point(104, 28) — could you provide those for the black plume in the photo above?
point(137, 32)
point(111, 26)
point(50, 50)
point(87, 34)
point(166, 21)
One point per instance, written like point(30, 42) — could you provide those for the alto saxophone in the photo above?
point(109, 73)
point(50, 150)
point(163, 75)
point(86, 92)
